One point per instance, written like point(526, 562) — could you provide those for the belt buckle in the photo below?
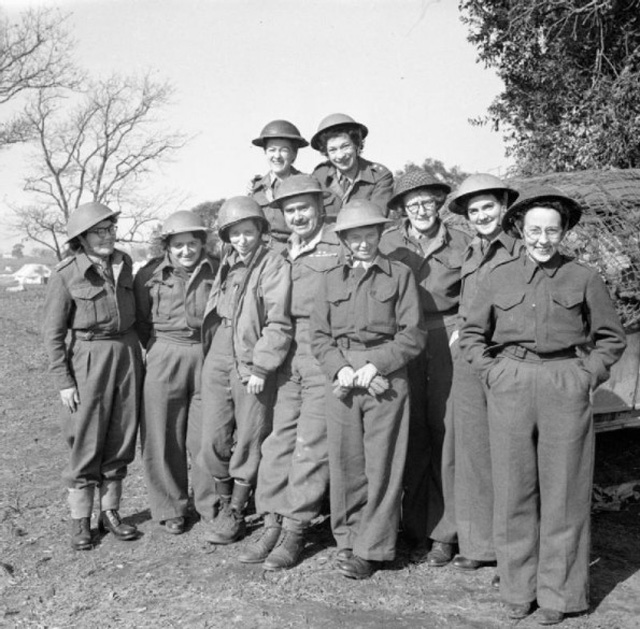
point(520, 352)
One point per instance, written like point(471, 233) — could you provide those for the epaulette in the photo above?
point(257, 178)
point(64, 263)
point(153, 260)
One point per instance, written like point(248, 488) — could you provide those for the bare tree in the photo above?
point(101, 148)
point(35, 53)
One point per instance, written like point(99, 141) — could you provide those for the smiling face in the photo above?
point(362, 242)
point(245, 237)
point(302, 214)
point(343, 153)
point(542, 232)
point(100, 240)
point(280, 153)
point(185, 250)
point(485, 212)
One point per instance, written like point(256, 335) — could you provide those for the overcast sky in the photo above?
point(402, 67)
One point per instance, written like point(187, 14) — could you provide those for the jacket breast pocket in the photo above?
point(382, 309)
point(566, 313)
point(510, 314)
point(162, 296)
point(91, 306)
point(339, 298)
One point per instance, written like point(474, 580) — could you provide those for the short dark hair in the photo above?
point(560, 207)
point(354, 133)
point(201, 236)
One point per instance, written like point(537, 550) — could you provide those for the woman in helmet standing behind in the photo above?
point(171, 295)
point(345, 174)
point(280, 140)
point(99, 372)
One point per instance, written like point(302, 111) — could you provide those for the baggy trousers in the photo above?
point(234, 422)
point(101, 434)
point(294, 470)
point(428, 503)
point(171, 426)
point(367, 440)
point(542, 449)
point(473, 482)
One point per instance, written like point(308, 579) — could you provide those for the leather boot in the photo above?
point(287, 551)
point(229, 526)
point(110, 521)
point(258, 550)
point(80, 534)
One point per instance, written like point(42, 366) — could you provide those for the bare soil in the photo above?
point(165, 581)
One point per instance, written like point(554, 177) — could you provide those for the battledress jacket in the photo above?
point(261, 323)
point(80, 299)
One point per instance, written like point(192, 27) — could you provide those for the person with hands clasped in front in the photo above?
point(246, 337)
point(366, 327)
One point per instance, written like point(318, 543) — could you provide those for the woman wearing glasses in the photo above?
point(97, 370)
point(434, 252)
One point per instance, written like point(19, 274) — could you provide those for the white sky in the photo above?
point(402, 67)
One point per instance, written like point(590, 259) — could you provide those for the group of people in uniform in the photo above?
point(434, 380)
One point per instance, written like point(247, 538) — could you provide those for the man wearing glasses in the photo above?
point(433, 251)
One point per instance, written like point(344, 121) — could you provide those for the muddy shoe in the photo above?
point(228, 526)
point(80, 534)
point(550, 617)
point(517, 611)
point(257, 551)
point(287, 552)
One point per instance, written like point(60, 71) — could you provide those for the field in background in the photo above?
point(163, 581)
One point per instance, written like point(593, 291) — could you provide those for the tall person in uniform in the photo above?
point(280, 140)
point(433, 251)
point(246, 337)
point(294, 471)
point(366, 327)
point(346, 174)
point(542, 333)
point(482, 199)
point(98, 372)
point(171, 294)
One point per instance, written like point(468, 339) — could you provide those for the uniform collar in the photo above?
point(85, 263)
point(364, 172)
point(549, 268)
point(381, 261)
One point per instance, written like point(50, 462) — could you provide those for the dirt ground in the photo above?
point(165, 581)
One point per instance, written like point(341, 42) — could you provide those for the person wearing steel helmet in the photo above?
point(366, 326)
point(246, 337)
point(294, 472)
point(171, 294)
point(345, 174)
point(433, 251)
point(98, 371)
point(542, 332)
point(482, 199)
point(280, 140)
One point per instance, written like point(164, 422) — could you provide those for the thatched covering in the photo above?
point(608, 236)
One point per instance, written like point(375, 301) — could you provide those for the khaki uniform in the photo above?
point(528, 334)
point(373, 182)
point(246, 330)
point(362, 316)
point(170, 308)
point(428, 503)
point(294, 471)
point(103, 360)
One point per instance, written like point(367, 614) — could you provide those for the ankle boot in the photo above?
point(110, 521)
point(80, 534)
point(287, 551)
point(258, 550)
point(229, 526)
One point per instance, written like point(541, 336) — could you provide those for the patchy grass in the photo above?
point(165, 581)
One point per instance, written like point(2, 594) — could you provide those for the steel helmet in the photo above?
point(85, 216)
point(475, 184)
point(280, 129)
point(359, 213)
point(415, 180)
point(336, 120)
point(183, 222)
point(536, 197)
point(298, 184)
point(238, 209)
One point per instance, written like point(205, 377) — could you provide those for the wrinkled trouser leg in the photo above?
point(367, 439)
point(294, 471)
point(473, 481)
point(542, 446)
point(101, 434)
point(171, 404)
